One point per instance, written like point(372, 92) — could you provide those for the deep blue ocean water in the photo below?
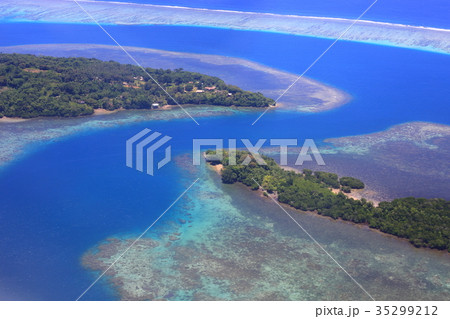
point(53, 201)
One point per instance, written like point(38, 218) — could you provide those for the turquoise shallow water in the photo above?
point(64, 198)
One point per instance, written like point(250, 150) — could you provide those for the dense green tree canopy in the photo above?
point(32, 86)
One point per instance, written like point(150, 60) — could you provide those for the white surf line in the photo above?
point(278, 15)
point(316, 60)
point(317, 243)
point(137, 239)
point(134, 60)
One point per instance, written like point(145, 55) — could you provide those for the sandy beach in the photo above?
point(104, 112)
point(217, 168)
point(12, 119)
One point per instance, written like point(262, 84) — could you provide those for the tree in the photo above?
point(229, 176)
point(189, 87)
point(351, 182)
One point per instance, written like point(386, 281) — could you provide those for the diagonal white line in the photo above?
point(136, 240)
point(316, 60)
point(317, 243)
point(134, 60)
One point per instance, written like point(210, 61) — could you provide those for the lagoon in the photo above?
point(64, 198)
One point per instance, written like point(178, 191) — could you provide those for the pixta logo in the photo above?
point(141, 149)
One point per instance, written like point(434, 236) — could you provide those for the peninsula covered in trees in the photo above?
point(424, 222)
point(32, 86)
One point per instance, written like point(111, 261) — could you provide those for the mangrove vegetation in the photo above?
point(424, 222)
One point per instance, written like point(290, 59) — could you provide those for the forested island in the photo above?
point(424, 222)
point(32, 86)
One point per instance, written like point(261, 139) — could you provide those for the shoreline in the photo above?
point(47, 130)
point(354, 194)
point(325, 97)
point(5, 119)
point(363, 227)
point(307, 96)
point(99, 112)
point(104, 111)
point(273, 197)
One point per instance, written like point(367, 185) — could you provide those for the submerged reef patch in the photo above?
point(238, 246)
point(409, 159)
